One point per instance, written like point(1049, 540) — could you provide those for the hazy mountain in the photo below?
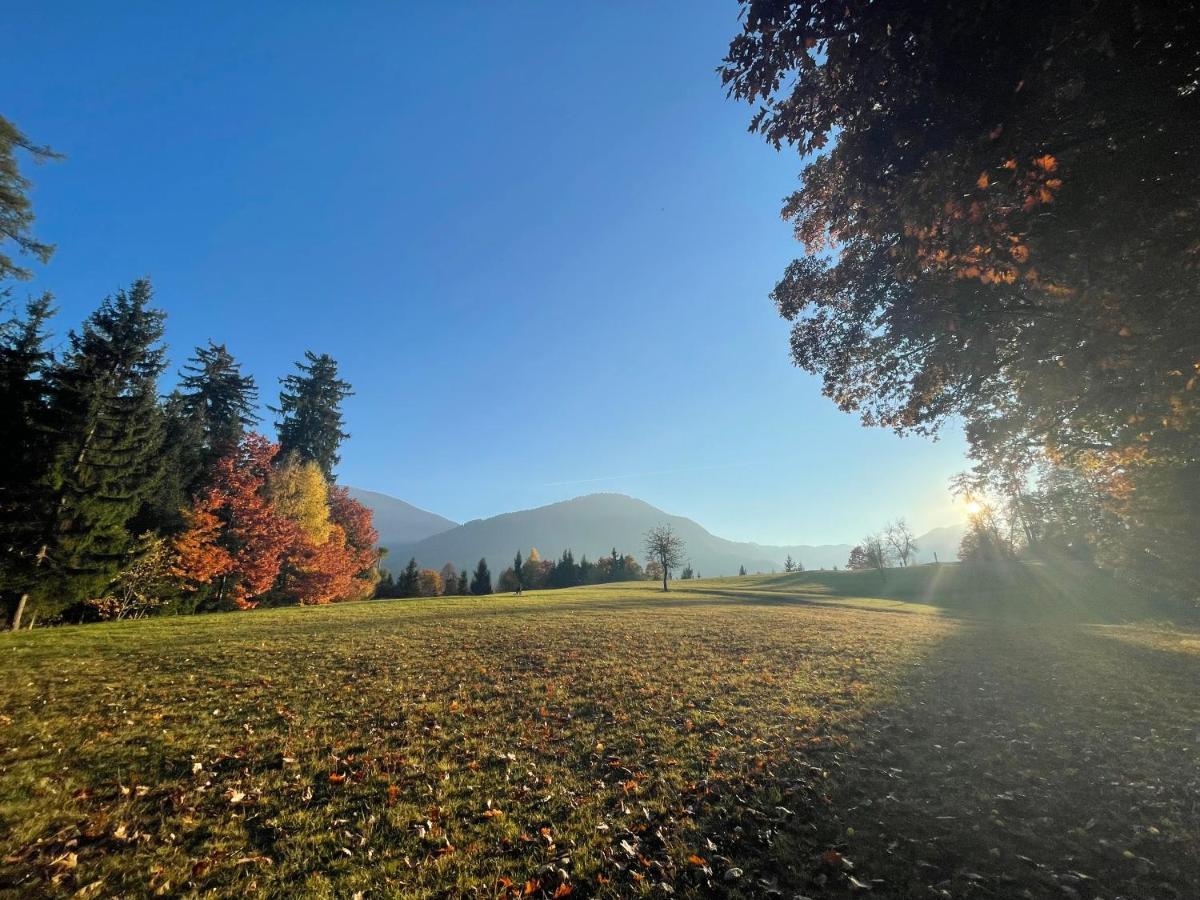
point(593, 525)
point(399, 522)
point(942, 541)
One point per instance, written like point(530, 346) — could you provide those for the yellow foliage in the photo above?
point(300, 493)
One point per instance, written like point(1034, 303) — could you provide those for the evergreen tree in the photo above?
point(16, 212)
point(585, 570)
point(481, 583)
point(24, 496)
point(409, 582)
point(218, 398)
point(108, 433)
point(310, 410)
point(741, 570)
point(518, 565)
point(464, 583)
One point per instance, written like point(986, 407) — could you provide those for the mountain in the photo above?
point(942, 541)
point(398, 522)
point(594, 525)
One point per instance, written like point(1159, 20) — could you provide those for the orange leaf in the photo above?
point(336, 778)
point(697, 860)
point(1046, 163)
point(982, 181)
point(532, 886)
point(563, 890)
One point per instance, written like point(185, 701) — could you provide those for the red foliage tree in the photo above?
point(235, 537)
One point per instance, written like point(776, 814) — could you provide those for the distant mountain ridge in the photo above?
point(596, 523)
point(398, 522)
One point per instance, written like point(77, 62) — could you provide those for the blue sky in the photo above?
point(536, 236)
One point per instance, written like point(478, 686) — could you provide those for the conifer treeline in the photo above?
point(116, 502)
point(532, 573)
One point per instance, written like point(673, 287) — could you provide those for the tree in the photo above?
point(687, 574)
point(429, 583)
point(449, 578)
point(464, 583)
point(664, 547)
point(235, 540)
point(409, 582)
point(517, 567)
point(362, 540)
point(218, 398)
point(859, 559)
point(1010, 192)
point(298, 490)
point(789, 564)
point(901, 541)
point(310, 410)
point(481, 582)
point(16, 211)
point(874, 551)
point(25, 497)
point(984, 541)
point(144, 585)
point(741, 570)
point(508, 582)
point(107, 434)
point(654, 570)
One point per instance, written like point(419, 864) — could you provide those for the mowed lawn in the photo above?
point(917, 734)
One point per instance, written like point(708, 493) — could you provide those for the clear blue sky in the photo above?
point(536, 236)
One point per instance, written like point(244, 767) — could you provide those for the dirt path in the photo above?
point(1042, 760)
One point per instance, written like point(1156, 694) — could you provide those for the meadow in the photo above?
point(914, 733)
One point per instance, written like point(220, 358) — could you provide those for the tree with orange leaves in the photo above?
point(235, 540)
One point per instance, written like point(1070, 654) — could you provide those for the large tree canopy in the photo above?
point(1002, 221)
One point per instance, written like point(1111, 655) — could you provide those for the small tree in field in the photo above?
point(741, 570)
point(875, 551)
point(858, 559)
point(901, 541)
point(665, 547)
point(789, 564)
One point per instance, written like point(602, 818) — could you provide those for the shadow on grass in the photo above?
point(1038, 760)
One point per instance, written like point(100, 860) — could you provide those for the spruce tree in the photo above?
point(108, 433)
point(464, 583)
point(310, 410)
point(481, 583)
point(24, 495)
point(16, 212)
point(409, 582)
point(216, 396)
point(518, 562)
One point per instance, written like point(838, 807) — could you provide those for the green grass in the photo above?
point(921, 731)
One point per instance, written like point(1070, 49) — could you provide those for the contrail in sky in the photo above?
point(740, 465)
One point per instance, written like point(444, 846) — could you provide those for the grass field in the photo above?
point(928, 733)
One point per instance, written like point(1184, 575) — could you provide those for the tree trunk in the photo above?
point(16, 621)
point(665, 578)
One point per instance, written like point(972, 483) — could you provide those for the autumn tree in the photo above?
point(144, 585)
point(1009, 194)
point(481, 581)
point(235, 541)
point(298, 490)
point(900, 541)
point(666, 548)
point(310, 411)
point(429, 583)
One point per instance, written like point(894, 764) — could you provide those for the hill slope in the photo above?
point(398, 522)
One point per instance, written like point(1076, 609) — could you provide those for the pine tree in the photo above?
point(310, 410)
point(464, 583)
point(16, 212)
point(481, 583)
point(108, 433)
point(409, 582)
point(741, 570)
point(518, 566)
point(24, 495)
point(216, 395)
